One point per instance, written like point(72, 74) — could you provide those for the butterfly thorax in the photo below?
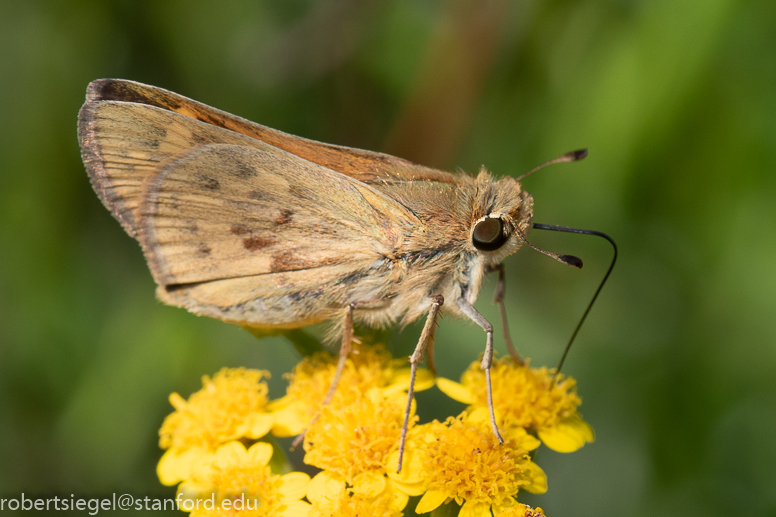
point(438, 256)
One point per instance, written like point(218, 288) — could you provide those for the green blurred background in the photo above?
point(676, 101)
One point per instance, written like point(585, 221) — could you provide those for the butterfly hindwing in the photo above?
point(226, 226)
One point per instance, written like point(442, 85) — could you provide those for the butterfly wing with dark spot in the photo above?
point(124, 144)
point(216, 249)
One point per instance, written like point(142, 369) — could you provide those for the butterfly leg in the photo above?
point(426, 340)
point(430, 363)
point(498, 299)
point(345, 349)
point(487, 357)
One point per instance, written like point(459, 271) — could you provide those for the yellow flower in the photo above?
point(521, 510)
point(231, 405)
point(233, 481)
point(525, 397)
point(355, 444)
point(366, 368)
point(463, 461)
point(330, 496)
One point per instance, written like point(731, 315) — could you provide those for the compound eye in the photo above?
point(488, 234)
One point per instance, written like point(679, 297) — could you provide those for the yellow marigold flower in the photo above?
point(330, 496)
point(231, 405)
point(463, 461)
point(355, 444)
point(525, 397)
point(521, 510)
point(233, 481)
point(366, 368)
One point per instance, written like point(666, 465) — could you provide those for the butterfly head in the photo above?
point(501, 218)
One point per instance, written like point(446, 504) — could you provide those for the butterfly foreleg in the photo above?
point(426, 340)
point(487, 357)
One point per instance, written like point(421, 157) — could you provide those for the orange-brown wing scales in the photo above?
point(366, 166)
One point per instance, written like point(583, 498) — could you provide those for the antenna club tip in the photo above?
point(572, 261)
point(578, 154)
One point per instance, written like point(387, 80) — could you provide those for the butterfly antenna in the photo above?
point(569, 260)
point(573, 156)
point(597, 291)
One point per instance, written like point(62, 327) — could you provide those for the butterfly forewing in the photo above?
point(367, 166)
point(124, 144)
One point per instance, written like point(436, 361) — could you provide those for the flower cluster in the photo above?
point(218, 449)
point(230, 406)
point(534, 399)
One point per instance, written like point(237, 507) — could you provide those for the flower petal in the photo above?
point(289, 420)
point(192, 490)
point(518, 510)
point(424, 379)
point(324, 486)
point(479, 415)
point(259, 425)
point(176, 465)
point(475, 509)
point(369, 484)
point(529, 442)
point(410, 470)
point(455, 390)
point(400, 380)
point(176, 401)
point(584, 429)
point(260, 453)
point(295, 509)
point(278, 404)
point(294, 485)
point(538, 479)
point(232, 452)
point(399, 500)
point(509, 502)
point(411, 489)
point(568, 436)
point(430, 501)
